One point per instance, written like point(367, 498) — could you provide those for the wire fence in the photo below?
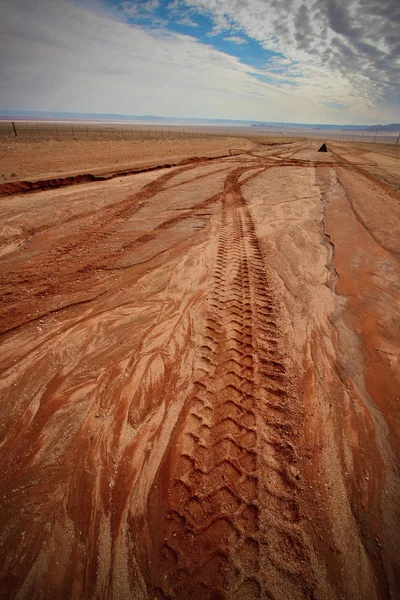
point(371, 138)
point(380, 137)
point(100, 131)
point(31, 130)
point(324, 135)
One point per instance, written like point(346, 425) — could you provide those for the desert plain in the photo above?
point(199, 370)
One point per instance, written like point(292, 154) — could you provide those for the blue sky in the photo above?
point(332, 61)
point(178, 17)
point(188, 21)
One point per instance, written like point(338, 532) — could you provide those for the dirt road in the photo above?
point(200, 381)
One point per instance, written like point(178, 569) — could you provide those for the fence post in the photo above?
point(397, 141)
point(15, 131)
point(375, 136)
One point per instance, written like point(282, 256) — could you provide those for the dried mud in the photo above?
point(200, 381)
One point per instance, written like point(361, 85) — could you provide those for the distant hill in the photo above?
point(66, 116)
point(113, 117)
point(393, 127)
point(312, 126)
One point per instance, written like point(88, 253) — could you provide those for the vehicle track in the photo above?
point(128, 206)
point(232, 527)
point(370, 150)
point(30, 186)
point(86, 245)
point(390, 186)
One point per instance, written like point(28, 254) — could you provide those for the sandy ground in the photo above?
point(200, 380)
point(24, 159)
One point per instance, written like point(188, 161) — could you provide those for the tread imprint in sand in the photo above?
point(232, 527)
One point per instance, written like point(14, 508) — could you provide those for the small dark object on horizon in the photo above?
point(323, 148)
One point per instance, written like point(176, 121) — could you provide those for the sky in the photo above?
point(308, 61)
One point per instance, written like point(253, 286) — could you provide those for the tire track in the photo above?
point(389, 186)
point(232, 526)
point(88, 247)
point(35, 185)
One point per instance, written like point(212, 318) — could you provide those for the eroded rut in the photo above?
point(232, 527)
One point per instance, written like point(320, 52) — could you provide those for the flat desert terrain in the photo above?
point(200, 374)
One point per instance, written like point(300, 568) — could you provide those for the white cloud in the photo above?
point(57, 55)
point(180, 17)
point(133, 8)
point(144, 12)
point(356, 42)
point(187, 21)
point(236, 39)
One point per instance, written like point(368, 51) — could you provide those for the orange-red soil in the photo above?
point(200, 378)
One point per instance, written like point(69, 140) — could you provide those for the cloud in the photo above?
point(187, 22)
point(181, 17)
point(337, 105)
point(61, 55)
point(355, 41)
point(137, 11)
point(304, 32)
point(129, 7)
point(64, 57)
point(235, 39)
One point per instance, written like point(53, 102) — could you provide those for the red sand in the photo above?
point(200, 380)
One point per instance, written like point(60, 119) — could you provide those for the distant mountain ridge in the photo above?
point(6, 114)
point(392, 127)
